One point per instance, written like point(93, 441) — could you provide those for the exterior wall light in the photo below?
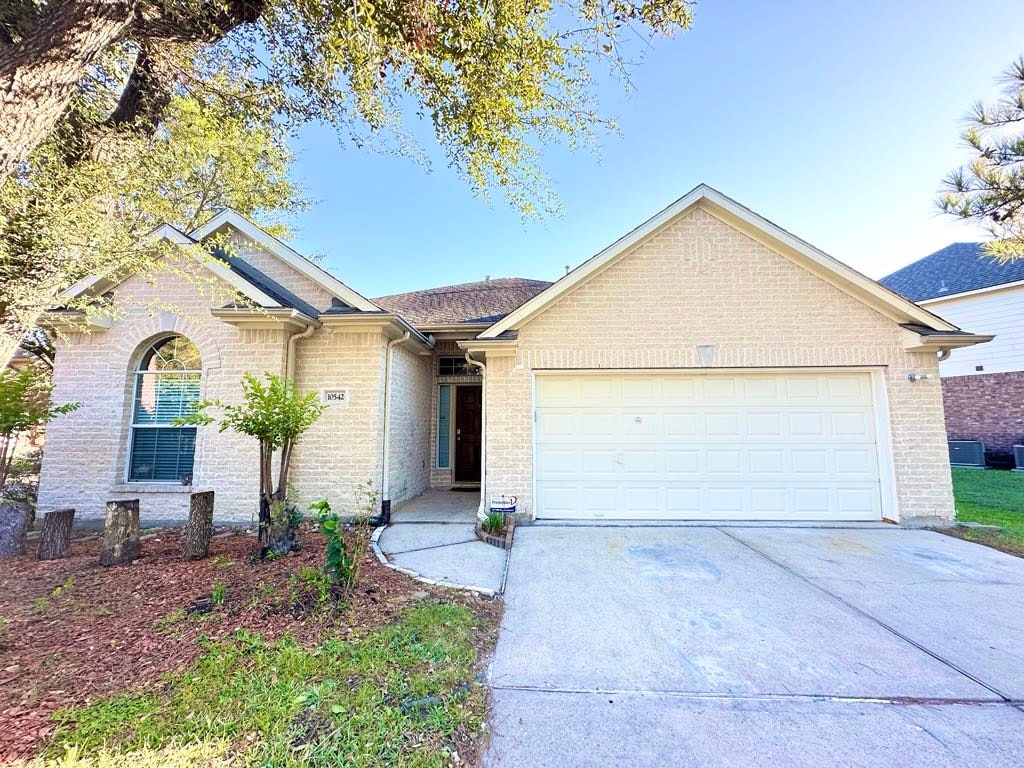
point(914, 376)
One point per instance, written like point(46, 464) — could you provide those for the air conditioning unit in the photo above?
point(1018, 458)
point(966, 453)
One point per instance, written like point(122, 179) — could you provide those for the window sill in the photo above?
point(153, 488)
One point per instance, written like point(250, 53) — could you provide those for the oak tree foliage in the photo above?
point(118, 115)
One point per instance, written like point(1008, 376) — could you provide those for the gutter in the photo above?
point(385, 490)
point(482, 510)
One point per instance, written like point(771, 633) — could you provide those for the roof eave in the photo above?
point(261, 318)
point(491, 347)
point(391, 325)
point(940, 342)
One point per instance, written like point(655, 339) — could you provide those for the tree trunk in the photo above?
point(121, 533)
point(14, 517)
point(55, 538)
point(266, 495)
point(199, 528)
point(39, 74)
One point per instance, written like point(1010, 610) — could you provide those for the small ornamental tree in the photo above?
point(276, 414)
point(25, 403)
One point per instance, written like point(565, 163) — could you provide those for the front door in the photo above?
point(468, 411)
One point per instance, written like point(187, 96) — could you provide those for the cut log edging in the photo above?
point(121, 544)
point(55, 536)
point(199, 529)
point(14, 523)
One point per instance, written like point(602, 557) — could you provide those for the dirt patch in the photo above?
point(72, 630)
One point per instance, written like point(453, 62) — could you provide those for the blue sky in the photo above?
point(835, 120)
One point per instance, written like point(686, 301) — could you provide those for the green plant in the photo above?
point(40, 604)
point(266, 594)
point(25, 403)
point(316, 583)
point(219, 593)
point(339, 563)
point(494, 523)
point(220, 561)
point(65, 588)
point(276, 414)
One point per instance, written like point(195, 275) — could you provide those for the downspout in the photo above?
point(289, 362)
point(482, 510)
point(385, 490)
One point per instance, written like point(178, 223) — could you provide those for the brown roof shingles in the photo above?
point(486, 301)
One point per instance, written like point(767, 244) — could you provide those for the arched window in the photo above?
point(166, 387)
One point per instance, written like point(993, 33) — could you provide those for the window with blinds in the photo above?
point(167, 386)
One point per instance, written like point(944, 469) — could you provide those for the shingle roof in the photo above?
point(957, 268)
point(486, 301)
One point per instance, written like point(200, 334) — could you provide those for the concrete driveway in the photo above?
point(757, 646)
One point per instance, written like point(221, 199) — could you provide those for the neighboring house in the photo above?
point(708, 365)
point(983, 386)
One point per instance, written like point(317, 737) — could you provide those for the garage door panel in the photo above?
point(681, 424)
point(713, 446)
point(682, 462)
point(638, 462)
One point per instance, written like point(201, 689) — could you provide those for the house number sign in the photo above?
point(334, 397)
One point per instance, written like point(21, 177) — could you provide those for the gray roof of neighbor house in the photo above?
point(486, 301)
point(957, 268)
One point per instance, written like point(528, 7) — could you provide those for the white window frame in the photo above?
point(132, 426)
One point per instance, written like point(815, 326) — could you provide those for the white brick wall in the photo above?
point(409, 425)
point(653, 307)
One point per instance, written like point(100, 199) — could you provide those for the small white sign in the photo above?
point(334, 397)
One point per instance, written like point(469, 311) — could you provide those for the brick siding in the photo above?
point(87, 451)
point(987, 407)
point(651, 309)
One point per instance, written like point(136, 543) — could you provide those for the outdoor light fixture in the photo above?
point(914, 376)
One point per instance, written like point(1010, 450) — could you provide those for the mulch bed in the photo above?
point(104, 634)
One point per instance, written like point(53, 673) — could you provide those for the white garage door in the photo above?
point(741, 446)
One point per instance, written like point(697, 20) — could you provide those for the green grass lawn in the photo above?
point(991, 497)
point(402, 695)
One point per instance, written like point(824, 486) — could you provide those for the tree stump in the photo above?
point(121, 533)
point(55, 538)
point(199, 528)
point(14, 517)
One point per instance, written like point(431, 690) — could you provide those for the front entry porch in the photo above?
point(432, 538)
point(439, 505)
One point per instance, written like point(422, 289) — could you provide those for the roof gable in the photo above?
point(957, 268)
point(265, 293)
point(298, 262)
point(760, 229)
point(255, 285)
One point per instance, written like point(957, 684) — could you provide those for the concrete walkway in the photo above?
point(732, 646)
point(432, 538)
